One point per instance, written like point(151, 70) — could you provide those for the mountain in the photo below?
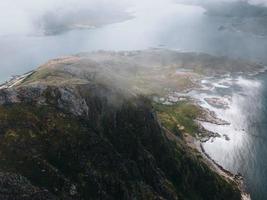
point(85, 127)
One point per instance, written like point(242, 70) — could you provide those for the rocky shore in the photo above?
point(219, 103)
point(87, 94)
point(197, 144)
point(210, 117)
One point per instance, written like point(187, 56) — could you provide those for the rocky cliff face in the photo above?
point(91, 141)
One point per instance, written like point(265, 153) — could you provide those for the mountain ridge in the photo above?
point(98, 139)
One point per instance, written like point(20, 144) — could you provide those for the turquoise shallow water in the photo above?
point(178, 27)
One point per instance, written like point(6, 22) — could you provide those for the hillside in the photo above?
point(85, 127)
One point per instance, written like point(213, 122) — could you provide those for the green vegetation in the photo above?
point(53, 77)
point(179, 115)
point(89, 132)
point(115, 153)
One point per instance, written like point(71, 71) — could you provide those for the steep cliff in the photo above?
point(93, 140)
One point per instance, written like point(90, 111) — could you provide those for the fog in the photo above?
point(20, 16)
point(34, 31)
point(23, 16)
point(27, 16)
point(254, 2)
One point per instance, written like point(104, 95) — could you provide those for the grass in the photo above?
point(52, 77)
point(180, 114)
point(53, 149)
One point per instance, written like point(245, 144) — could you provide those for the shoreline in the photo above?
point(204, 86)
point(14, 80)
point(197, 144)
point(193, 142)
point(238, 179)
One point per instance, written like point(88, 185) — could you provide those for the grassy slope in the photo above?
point(179, 114)
point(116, 152)
point(124, 157)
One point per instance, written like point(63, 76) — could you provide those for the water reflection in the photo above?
point(176, 26)
point(246, 148)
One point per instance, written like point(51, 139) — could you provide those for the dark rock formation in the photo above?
point(94, 149)
point(77, 129)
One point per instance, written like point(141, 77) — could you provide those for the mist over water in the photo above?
point(177, 26)
point(245, 150)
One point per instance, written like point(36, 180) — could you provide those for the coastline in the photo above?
point(237, 178)
point(194, 142)
point(15, 80)
point(197, 143)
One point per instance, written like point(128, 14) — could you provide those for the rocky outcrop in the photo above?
point(77, 129)
point(16, 187)
point(77, 143)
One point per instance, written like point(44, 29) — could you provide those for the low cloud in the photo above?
point(20, 16)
